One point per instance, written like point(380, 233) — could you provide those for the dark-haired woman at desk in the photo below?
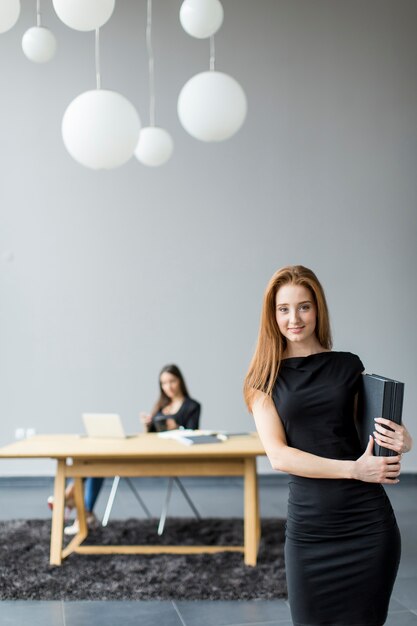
point(174, 408)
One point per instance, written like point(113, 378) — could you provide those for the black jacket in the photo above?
point(187, 416)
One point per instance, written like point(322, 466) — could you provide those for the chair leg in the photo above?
point(138, 498)
point(165, 507)
point(110, 501)
point(187, 497)
point(167, 499)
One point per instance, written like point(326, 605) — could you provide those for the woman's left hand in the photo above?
point(398, 439)
point(171, 424)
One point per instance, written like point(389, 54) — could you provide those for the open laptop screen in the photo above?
point(103, 425)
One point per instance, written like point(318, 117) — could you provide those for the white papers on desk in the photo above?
point(188, 437)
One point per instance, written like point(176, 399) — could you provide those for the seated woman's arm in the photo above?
point(293, 461)
point(192, 418)
point(146, 419)
point(188, 416)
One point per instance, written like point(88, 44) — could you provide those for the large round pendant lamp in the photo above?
point(212, 106)
point(9, 14)
point(100, 129)
point(84, 14)
point(39, 44)
point(201, 18)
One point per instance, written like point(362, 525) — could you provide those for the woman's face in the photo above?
point(170, 385)
point(296, 313)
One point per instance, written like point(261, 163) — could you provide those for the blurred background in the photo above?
point(106, 276)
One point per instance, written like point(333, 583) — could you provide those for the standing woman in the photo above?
point(174, 407)
point(342, 547)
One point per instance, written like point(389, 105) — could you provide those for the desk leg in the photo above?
point(258, 512)
point(83, 531)
point(79, 503)
point(58, 515)
point(251, 523)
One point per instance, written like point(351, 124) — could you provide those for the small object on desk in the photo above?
point(227, 433)
point(191, 440)
point(189, 437)
point(378, 397)
point(160, 424)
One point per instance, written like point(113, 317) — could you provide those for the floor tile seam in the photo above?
point(64, 622)
point(178, 612)
point(284, 620)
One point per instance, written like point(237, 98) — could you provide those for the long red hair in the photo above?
point(271, 344)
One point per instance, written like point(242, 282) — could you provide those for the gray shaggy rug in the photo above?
point(25, 573)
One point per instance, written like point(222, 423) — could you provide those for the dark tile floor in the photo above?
point(25, 498)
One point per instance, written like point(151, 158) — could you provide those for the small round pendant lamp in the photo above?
point(201, 18)
point(155, 146)
point(39, 44)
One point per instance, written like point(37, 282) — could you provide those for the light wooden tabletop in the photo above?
point(143, 445)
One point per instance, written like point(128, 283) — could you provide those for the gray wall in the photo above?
point(106, 276)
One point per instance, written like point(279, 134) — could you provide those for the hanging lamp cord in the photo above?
point(150, 64)
point(38, 13)
point(97, 48)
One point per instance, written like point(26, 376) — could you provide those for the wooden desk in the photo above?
point(79, 457)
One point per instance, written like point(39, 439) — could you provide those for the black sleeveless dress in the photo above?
point(343, 546)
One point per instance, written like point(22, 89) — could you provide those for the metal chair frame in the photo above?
point(164, 513)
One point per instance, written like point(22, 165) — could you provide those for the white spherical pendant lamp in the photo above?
point(84, 14)
point(201, 18)
point(9, 14)
point(39, 44)
point(212, 106)
point(100, 129)
point(155, 146)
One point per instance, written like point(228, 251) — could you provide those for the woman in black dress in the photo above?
point(342, 546)
point(174, 407)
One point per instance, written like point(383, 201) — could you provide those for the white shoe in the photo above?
point(74, 529)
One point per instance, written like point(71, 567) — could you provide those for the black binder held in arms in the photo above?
point(378, 397)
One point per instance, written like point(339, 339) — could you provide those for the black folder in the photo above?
point(378, 397)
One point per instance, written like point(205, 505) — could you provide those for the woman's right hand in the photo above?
point(145, 418)
point(377, 469)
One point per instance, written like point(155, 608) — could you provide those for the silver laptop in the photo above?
point(103, 425)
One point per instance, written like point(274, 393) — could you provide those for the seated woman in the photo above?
point(173, 409)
